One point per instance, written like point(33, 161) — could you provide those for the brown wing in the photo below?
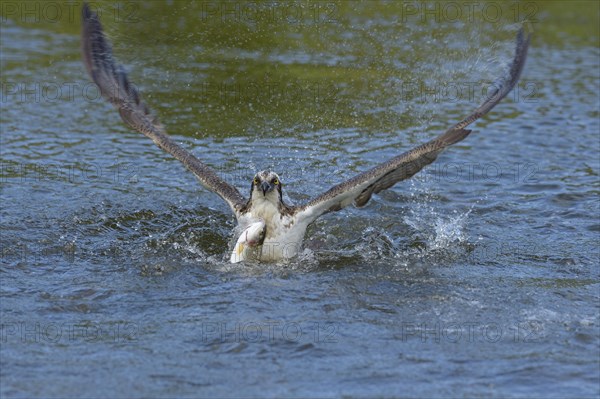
point(114, 85)
point(359, 189)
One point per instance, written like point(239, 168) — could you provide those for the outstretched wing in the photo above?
point(360, 188)
point(114, 85)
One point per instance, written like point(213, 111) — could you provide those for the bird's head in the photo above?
point(266, 185)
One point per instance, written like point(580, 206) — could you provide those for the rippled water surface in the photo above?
point(478, 277)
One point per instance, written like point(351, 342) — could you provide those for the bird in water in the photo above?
point(268, 228)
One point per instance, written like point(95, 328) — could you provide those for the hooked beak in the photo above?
point(265, 187)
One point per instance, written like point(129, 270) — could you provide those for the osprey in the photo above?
point(268, 228)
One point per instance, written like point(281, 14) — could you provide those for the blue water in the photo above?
point(478, 277)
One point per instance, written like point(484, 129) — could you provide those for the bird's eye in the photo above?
point(275, 181)
point(256, 181)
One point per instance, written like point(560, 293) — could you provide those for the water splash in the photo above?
point(435, 230)
point(450, 230)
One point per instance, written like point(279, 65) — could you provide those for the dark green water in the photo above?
point(478, 277)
